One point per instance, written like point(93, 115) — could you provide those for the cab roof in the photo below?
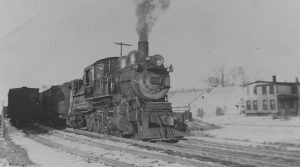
point(101, 60)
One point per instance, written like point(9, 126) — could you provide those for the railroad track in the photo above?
point(295, 155)
point(227, 155)
point(255, 158)
point(157, 156)
point(119, 148)
point(214, 154)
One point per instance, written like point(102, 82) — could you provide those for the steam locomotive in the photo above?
point(123, 96)
point(126, 96)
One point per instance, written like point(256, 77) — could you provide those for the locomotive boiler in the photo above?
point(126, 96)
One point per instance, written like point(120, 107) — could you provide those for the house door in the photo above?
point(287, 107)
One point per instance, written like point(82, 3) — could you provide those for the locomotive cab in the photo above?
point(99, 78)
point(95, 89)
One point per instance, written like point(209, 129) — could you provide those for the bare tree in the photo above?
point(212, 81)
point(218, 77)
point(225, 77)
point(237, 73)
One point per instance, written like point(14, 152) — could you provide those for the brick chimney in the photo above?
point(274, 78)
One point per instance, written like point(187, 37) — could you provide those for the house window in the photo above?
point(272, 104)
point(271, 89)
point(294, 89)
point(264, 90)
point(255, 91)
point(255, 105)
point(248, 105)
point(265, 104)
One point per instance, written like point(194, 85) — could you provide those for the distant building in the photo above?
point(272, 97)
point(183, 100)
point(222, 101)
point(208, 102)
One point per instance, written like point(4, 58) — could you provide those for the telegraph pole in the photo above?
point(2, 117)
point(121, 45)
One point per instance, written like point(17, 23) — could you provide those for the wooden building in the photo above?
point(272, 97)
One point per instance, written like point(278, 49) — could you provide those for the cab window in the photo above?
point(99, 70)
point(89, 76)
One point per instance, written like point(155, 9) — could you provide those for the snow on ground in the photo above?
point(261, 129)
point(259, 134)
point(252, 120)
point(44, 156)
point(4, 163)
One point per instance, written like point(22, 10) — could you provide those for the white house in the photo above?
point(182, 100)
point(222, 100)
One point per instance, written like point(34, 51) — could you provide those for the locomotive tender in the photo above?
point(123, 96)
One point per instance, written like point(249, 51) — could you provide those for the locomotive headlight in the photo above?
point(157, 60)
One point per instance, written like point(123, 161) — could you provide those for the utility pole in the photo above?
point(2, 118)
point(121, 45)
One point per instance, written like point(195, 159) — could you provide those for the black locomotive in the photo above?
point(124, 96)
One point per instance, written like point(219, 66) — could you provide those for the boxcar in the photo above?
point(23, 105)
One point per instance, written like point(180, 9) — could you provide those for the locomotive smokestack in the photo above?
point(143, 48)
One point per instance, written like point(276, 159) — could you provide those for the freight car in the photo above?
point(23, 105)
point(54, 105)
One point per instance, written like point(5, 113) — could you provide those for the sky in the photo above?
point(51, 41)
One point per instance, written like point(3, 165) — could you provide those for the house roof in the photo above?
point(187, 97)
point(99, 61)
point(287, 96)
point(225, 90)
point(271, 82)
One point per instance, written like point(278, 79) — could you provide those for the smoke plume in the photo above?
point(147, 12)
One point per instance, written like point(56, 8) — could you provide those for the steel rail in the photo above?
point(216, 154)
point(158, 156)
point(246, 149)
point(213, 154)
